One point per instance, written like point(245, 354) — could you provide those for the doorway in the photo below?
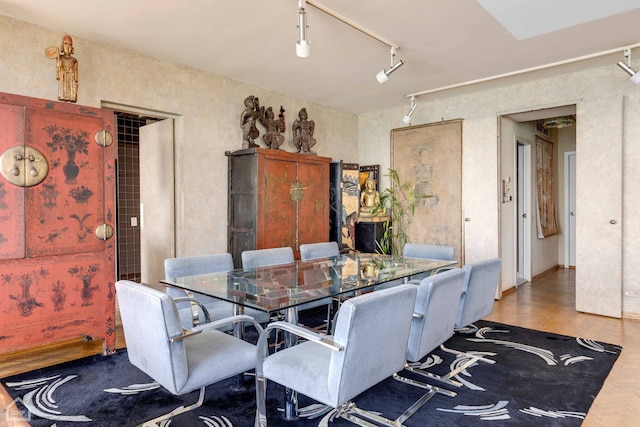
point(525, 255)
point(128, 193)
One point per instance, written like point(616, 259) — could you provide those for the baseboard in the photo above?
point(633, 316)
point(551, 270)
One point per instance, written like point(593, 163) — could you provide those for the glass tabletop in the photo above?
point(283, 286)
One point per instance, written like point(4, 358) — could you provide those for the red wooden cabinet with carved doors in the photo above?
point(276, 199)
point(57, 211)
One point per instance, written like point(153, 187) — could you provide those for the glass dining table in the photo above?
point(285, 287)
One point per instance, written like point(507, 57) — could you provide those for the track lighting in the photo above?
point(383, 76)
point(635, 75)
point(407, 118)
point(303, 46)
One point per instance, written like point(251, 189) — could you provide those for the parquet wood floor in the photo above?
point(547, 303)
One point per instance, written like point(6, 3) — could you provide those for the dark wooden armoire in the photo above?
point(57, 213)
point(276, 199)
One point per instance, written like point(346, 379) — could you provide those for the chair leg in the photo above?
point(431, 391)
point(261, 406)
point(350, 412)
point(466, 360)
point(179, 410)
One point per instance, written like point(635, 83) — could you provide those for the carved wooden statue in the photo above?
point(66, 69)
point(303, 133)
point(248, 119)
point(273, 138)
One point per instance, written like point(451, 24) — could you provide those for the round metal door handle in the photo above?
point(613, 221)
point(467, 219)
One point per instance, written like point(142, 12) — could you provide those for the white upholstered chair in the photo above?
point(478, 291)
point(426, 251)
point(432, 324)
point(207, 307)
point(335, 369)
point(310, 251)
point(180, 361)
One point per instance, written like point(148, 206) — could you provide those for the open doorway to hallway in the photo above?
point(524, 251)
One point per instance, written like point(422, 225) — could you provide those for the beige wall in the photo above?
point(481, 167)
point(207, 107)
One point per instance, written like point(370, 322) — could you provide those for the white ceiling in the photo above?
point(445, 43)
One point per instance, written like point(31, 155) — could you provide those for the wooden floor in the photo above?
point(548, 303)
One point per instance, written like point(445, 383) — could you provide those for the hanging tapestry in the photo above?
point(545, 194)
point(429, 158)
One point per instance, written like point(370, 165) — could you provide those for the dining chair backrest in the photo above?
point(435, 312)
point(199, 264)
point(192, 265)
point(479, 291)
point(420, 250)
point(372, 328)
point(309, 251)
point(149, 320)
point(265, 257)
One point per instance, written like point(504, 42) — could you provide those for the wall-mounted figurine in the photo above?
point(248, 119)
point(273, 136)
point(303, 133)
point(66, 69)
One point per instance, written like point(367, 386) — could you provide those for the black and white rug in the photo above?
point(538, 378)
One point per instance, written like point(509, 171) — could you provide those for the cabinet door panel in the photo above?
point(313, 209)
point(50, 297)
point(65, 209)
point(279, 210)
point(12, 234)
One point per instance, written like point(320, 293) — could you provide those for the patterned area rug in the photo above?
point(538, 378)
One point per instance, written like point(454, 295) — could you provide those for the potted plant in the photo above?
point(399, 202)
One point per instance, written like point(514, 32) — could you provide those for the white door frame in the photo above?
point(523, 200)
point(569, 209)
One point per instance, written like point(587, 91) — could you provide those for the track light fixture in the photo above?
point(383, 76)
point(407, 118)
point(303, 46)
point(635, 75)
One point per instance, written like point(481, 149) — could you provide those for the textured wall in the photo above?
point(207, 109)
point(481, 165)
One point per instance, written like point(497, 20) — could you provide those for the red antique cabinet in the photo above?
point(56, 222)
point(276, 198)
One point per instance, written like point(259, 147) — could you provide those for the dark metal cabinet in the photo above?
point(276, 199)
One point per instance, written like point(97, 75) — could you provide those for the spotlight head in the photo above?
point(407, 118)
point(634, 75)
point(383, 76)
point(303, 48)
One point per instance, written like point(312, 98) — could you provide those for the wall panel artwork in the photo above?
point(350, 203)
point(429, 157)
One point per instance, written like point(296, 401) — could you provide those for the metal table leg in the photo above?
point(291, 396)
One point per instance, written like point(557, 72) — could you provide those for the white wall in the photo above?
point(481, 168)
point(208, 109)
